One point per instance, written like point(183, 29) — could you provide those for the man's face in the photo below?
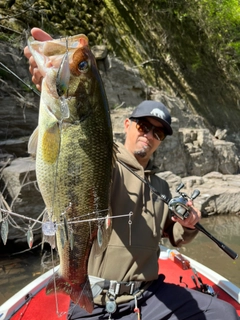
point(140, 143)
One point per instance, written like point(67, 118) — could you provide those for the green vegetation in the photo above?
point(187, 48)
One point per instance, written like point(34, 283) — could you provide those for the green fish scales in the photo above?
point(74, 160)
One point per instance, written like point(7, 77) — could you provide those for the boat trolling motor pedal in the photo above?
point(178, 205)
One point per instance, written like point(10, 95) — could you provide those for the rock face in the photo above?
point(219, 193)
point(18, 107)
point(23, 198)
point(193, 151)
point(192, 154)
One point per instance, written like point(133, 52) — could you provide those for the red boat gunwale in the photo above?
point(32, 302)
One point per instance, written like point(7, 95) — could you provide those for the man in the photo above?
point(128, 268)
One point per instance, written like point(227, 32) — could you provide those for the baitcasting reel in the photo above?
point(178, 205)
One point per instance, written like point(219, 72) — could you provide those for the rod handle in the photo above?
point(229, 251)
point(221, 245)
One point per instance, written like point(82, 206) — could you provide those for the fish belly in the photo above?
point(75, 180)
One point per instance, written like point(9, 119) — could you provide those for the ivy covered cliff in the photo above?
point(189, 49)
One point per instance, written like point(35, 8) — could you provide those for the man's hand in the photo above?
point(192, 219)
point(39, 35)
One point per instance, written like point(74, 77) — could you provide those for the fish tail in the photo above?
point(80, 294)
point(83, 297)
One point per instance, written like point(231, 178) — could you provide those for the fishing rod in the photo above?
point(178, 205)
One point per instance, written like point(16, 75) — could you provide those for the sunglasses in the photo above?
point(144, 126)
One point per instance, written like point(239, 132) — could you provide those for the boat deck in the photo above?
point(43, 306)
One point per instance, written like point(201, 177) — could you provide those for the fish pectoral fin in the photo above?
point(32, 143)
point(50, 144)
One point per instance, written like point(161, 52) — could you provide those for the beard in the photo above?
point(141, 153)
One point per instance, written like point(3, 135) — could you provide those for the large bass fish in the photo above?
point(74, 156)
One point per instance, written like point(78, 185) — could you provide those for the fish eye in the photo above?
point(83, 66)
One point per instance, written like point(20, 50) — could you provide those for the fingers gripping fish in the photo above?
point(74, 157)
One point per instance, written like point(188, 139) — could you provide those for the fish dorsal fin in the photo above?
point(32, 143)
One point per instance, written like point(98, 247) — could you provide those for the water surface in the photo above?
point(17, 270)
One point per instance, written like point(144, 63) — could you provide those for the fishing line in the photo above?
point(26, 306)
point(54, 282)
point(61, 90)
point(60, 314)
point(76, 303)
point(21, 216)
point(14, 74)
point(20, 252)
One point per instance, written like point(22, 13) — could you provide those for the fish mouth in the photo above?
point(48, 54)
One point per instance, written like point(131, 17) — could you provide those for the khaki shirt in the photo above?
point(133, 250)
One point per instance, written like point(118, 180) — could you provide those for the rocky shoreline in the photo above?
point(199, 156)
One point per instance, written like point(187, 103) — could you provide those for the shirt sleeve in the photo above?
point(179, 235)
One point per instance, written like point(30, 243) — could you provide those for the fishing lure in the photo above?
point(4, 231)
point(62, 83)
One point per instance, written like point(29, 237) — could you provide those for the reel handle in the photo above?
point(195, 194)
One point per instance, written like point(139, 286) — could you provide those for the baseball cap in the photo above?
point(155, 109)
